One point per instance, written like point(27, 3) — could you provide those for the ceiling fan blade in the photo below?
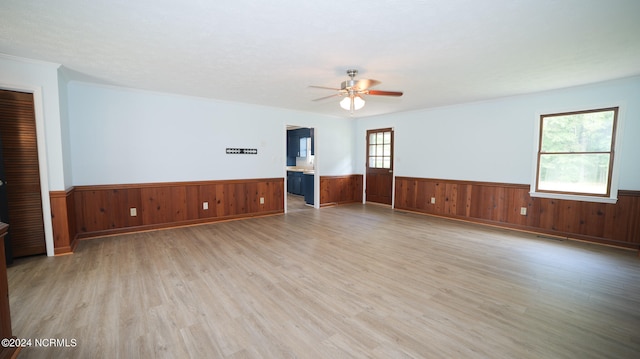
point(364, 84)
point(384, 93)
point(325, 88)
point(326, 97)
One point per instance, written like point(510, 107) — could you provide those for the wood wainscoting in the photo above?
point(91, 211)
point(500, 204)
point(340, 189)
point(63, 220)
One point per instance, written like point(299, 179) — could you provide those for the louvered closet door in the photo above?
point(20, 157)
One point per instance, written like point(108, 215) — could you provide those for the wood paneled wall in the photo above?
point(90, 211)
point(63, 220)
point(106, 209)
point(500, 203)
point(340, 189)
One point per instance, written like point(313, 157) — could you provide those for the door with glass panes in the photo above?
point(379, 183)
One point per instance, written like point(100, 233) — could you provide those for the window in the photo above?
point(303, 146)
point(575, 153)
point(380, 149)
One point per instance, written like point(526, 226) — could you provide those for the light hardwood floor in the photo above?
point(351, 281)
point(296, 203)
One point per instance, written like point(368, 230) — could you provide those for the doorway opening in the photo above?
point(301, 169)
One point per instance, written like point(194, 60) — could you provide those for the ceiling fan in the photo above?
point(353, 91)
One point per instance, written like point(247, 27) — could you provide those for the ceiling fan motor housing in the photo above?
point(350, 84)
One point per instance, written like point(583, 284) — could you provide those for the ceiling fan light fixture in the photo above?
point(358, 102)
point(345, 103)
point(352, 103)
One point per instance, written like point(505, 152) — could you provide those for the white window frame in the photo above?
point(613, 190)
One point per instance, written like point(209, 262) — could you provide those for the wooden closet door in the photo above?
point(22, 181)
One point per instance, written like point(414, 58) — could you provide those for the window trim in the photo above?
point(612, 188)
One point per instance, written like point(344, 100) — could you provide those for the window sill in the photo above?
point(575, 197)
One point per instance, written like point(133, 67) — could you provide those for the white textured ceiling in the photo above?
point(268, 52)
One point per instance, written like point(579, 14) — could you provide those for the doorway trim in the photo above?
point(38, 108)
point(316, 172)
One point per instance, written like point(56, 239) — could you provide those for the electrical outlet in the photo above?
point(133, 211)
point(523, 211)
point(261, 200)
point(205, 205)
point(433, 200)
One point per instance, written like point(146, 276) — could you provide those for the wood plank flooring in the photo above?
point(296, 203)
point(353, 281)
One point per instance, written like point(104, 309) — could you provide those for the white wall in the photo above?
point(40, 78)
point(64, 127)
point(122, 135)
point(494, 141)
